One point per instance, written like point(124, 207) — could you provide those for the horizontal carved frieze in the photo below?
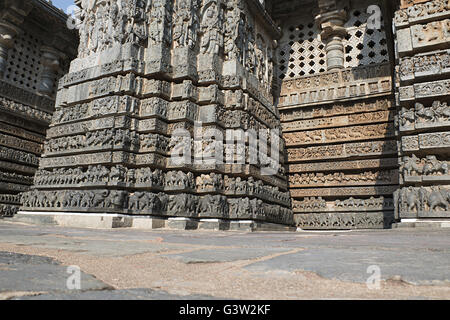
point(344, 165)
point(13, 187)
point(93, 140)
point(335, 109)
point(17, 143)
point(181, 204)
point(419, 37)
point(18, 156)
point(9, 198)
point(339, 121)
point(339, 178)
point(424, 90)
point(25, 97)
point(344, 221)
point(416, 11)
point(146, 178)
point(113, 105)
point(338, 85)
point(428, 169)
point(424, 202)
point(15, 178)
point(22, 133)
point(311, 204)
point(11, 166)
point(428, 64)
point(78, 160)
point(118, 122)
point(423, 141)
point(24, 111)
point(354, 133)
point(37, 129)
point(420, 117)
point(107, 69)
point(343, 151)
point(344, 191)
point(7, 210)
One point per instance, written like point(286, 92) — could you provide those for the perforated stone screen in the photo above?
point(364, 45)
point(302, 53)
point(24, 62)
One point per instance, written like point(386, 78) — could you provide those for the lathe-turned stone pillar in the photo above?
point(51, 63)
point(7, 34)
point(331, 23)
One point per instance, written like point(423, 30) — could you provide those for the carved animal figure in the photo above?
point(438, 198)
point(433, 165)
point(412, 200)
point(409, 165)
point(425, 113)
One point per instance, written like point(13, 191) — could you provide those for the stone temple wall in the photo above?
point(337, 111)
point(353, 95)
point(32, 58)
point(423, 66)
point(146, 74)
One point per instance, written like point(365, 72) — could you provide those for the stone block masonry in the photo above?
point(31, 62)
point(145, 71)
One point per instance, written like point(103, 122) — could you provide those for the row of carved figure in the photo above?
point(343, 150)
point(435, 198)
point(28, 111)
point(340, 177)
point(429, 63)
point(8, 210)
point(437, 112)
point(100, 138)
point(421, 10)
point(212, 26)
point(334, 110)
point(183, 204)
point(340, 134)
point(18, 156)
point(343, 220)
point(171, 180)
point(15, 177)
point(351, 204)
point(10, 198)
point(428, 166)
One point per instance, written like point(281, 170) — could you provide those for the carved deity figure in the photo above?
point(212, 38)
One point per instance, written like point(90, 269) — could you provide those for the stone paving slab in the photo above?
point(178, 259)
point(131, 294)
point(351, 264)
point(224, 255)
point(28, 273)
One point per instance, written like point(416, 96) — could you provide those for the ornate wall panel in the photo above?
point(337, 112)
point(422, 30)
point(145, 70)
point(30, 64)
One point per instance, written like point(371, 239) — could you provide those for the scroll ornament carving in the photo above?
point(413, 10)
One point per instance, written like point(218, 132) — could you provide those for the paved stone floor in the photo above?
point(130, 264)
